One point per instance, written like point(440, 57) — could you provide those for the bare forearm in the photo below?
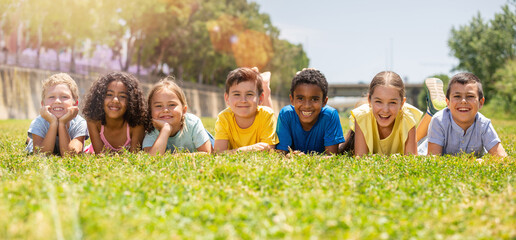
point(434, 149)
point(160, 145)
point(331, 150)
point(47, 145)
point(64, 140)
point(66, 144)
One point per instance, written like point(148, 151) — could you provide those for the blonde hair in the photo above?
point(169, 84)
point(387, 78)
point(60, 78)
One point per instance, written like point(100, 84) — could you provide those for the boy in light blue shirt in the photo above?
point(58, 129)
point(460, 128)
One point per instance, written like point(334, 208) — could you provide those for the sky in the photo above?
point(350, 41)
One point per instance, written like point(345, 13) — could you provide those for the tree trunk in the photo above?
point(19, 39)
point(38, 53)
point(212, 78)
point(57, 60)
point(72, 59)
point(140, 50)
point(180, 71)
point(130, 50)
point(200, 76)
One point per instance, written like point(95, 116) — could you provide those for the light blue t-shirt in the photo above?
point(40, 126)
point(478, 139)
point(188, 139)
point(327, 131)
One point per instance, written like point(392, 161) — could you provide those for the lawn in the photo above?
point(254, 195)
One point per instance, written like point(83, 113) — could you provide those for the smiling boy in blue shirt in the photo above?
point(308, 125)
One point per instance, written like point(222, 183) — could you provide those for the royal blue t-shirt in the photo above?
point(327, 131)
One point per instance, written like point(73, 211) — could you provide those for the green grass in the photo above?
point(254, 195)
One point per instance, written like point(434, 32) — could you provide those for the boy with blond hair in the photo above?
point(244, 125)
point(58, 129)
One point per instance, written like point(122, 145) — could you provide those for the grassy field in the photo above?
point(255, 195)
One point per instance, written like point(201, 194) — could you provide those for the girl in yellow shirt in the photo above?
point(386, 124)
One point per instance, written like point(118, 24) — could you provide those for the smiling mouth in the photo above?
point(165, 117)
point(114, 108)
point(384, 117)
point(306, 114)
point(463, 109)
point(57, 109)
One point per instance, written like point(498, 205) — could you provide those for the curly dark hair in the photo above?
point(310, 76)
point(136, 113)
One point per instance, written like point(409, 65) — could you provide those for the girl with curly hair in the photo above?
point(170, 127)
point(116, 113)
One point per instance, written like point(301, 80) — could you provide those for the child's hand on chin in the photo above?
point(70, 114)
point(45, 114)
point(161, 125)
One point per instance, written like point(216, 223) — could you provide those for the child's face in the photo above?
point(115, 103)
point(59, 97)
point(308, 101)
point(166, 106)
point(243, 99)
point(386, 103)
point(464, 103)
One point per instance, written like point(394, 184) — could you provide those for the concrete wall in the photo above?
point(20, 93)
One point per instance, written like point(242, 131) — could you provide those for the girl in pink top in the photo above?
point(116, 113)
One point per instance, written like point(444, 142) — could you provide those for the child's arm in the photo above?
point(206, 147)
point(436, 136)
point(160, 145)
point(94, 132)
point(46, 144)
point(434, 149)
point(410, 144)
point(498, 151)
point(330, 150)
point(221, 146)
point(360, 143)
point(137, 135)
point(67, 145)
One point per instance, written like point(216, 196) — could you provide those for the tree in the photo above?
point(484, 47)
point(505, 78)
point(10, 21)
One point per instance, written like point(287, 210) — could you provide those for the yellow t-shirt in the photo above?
point(406, 119)
point(263, 128)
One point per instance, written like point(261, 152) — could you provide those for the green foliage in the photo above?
point(505, 85)
point(254, 195)
point(158, 33)
point(482, 47)
point(284, 66)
